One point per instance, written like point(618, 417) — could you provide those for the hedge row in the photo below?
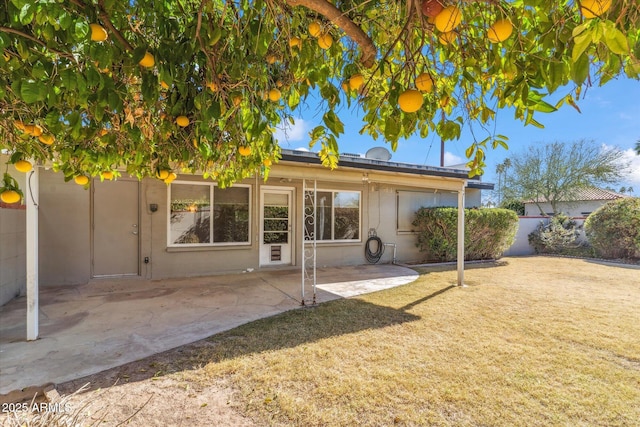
point(614, 229)
point(488, 233)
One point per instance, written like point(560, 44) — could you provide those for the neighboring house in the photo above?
point(582, 203)
point(192, 227)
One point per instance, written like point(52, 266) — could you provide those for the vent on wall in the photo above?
point(276, 253)
point(352, 155)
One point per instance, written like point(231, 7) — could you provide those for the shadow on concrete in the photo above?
point(286, 330)
point(93, 327)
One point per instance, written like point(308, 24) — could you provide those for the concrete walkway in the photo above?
point(106, 323)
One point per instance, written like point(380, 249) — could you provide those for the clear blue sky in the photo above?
point(610, 116)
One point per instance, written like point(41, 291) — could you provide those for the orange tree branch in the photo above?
point(106, 20)
point(38, 41)
point(328, 10)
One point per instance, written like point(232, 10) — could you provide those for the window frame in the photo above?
point(212, 186)
point(399, 193)
point(332, 240)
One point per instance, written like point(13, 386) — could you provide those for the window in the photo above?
point(337, 215)
point(408, 204)
point(204, 214)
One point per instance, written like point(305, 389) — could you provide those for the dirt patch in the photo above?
point(149, 392)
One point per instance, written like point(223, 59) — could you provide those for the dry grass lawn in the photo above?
point(534, 341)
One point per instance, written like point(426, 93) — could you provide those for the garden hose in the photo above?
point(373, 257)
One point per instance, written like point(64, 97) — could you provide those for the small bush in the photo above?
point(488, 233)
point(513, 204)
point(614, 229)
point(559, 236)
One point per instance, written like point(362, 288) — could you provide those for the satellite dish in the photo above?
point(378, 153)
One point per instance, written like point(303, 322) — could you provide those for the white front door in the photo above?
point(276, 237)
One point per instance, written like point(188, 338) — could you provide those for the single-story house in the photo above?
point(304, 214)
point(581, 204)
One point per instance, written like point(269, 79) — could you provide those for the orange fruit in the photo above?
point(164, 85)
point(98, 33)
point(169, 179)
point(315, 29)
point(10, 196)
point(33, 130)
point(295, 42)
point(47, 139)
point(447, 38)
point(244, 150)
point(81, 180)
point(500, 31)
point(23, 166)
point(182, 121)
point(103, 132)
point(271, 59)
point(148, 60)
point(424, 82)
point(448, 19)
point(237, 99)
point(19, 125)
point(107, 175)
point(267, 162)
point(213, 86)
point(410, 101)
point(325, 41)
point(594, 8)
point(345, 86)
point(274, 95)
point(356, 81)
point(163, 174)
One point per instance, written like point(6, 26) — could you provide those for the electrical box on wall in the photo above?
point(153, 207)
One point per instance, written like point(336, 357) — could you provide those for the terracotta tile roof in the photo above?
point(587, 194)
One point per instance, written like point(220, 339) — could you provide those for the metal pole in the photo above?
point(461, 236)
point(304, 235)
point(32, 194)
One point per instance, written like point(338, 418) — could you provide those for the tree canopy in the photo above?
point(150, 87)
point(555, 172)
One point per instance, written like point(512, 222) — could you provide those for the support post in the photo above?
point(461, 236)
point(31, 197)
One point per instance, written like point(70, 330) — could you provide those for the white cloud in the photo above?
point(629, 156)
point(288, 132)
point(451, 159)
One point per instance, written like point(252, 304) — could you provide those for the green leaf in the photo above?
point(81, 30)
point(580, 70)
point(581, 43)
point(294, 98)
point(32, 91)
point(616, 41)
point(391, 128)
point(333, 122)
point(26, 14)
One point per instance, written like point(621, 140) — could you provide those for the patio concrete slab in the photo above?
point(109, 322)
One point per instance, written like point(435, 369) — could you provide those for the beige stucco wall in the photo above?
point(64, 223)
point(12, 244)
point(573, 209)
point(65, 226)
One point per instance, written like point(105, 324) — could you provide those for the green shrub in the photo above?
point(488, 233)
point(513, 204)
point(559, 236)
point(614, 229)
